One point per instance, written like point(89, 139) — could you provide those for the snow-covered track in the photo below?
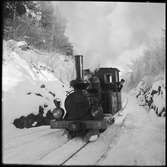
point(91, 153)
point(24, 139)
point(63, 153)
point(29, 131)
point(30, 152)
point(79, 152)
point(82, 147)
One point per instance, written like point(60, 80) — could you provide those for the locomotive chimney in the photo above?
point(79, 67)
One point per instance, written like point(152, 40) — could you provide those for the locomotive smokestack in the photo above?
point(79, 67)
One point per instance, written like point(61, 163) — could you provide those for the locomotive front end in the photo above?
point(79, 106)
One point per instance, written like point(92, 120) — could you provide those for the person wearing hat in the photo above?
point(121, 83)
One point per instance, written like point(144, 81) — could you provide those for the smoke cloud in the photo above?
point(110, 34)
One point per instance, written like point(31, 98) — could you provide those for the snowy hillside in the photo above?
point(34, 64)
point(28, 82)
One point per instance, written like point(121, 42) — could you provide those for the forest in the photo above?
point(150, 66)
point(37, 23)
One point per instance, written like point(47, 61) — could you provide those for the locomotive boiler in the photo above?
point(91, 100)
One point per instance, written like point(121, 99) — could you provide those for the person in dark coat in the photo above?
point(40, 117)
point(19, 122)
point(120, 85)
point(30, 119)
point(159, 90)
point(49, 117)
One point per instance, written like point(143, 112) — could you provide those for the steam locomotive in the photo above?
point(91, 100)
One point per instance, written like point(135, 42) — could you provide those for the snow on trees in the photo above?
point(153, 97)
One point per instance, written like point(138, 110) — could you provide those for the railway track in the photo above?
point(71, 156)
point(75, 149)
point(28, 132)
point(28, 138)
point(63, 153)
point(98, 149)
point(30, 151)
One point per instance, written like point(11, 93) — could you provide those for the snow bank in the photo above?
point(143, 86)
point(159, 99)
point(152, 94)
point(25, 98)
point(22, 78)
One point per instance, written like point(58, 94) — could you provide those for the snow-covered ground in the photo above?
point(142, 140)
point(139, 139)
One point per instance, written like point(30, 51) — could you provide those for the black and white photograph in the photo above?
point(83, 83)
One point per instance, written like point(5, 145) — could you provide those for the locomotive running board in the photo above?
point(90, 124)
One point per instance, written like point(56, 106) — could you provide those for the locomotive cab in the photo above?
point(110, 94)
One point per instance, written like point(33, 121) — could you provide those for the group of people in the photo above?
point(33, 120)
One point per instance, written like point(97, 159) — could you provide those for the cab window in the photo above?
point(108, 78)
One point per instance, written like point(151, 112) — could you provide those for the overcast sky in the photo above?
point(110, 34)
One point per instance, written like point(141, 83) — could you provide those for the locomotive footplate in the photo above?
point(77, 125)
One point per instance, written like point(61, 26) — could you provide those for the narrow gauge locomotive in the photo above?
point(90, 102)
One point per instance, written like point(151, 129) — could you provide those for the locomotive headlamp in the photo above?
point(57, 113)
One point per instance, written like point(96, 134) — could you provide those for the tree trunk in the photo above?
point(14, 19)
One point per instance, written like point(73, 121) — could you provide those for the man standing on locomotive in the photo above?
point(120, 85)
